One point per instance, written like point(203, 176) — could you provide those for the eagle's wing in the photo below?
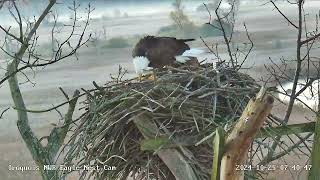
point(160, 51)
point(160, 57)
point(175, 46)
point(165, 50)
point(144, 46)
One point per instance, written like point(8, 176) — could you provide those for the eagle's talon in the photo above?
point(152, 77)
point(140, 78)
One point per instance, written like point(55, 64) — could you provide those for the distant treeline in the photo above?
point(115, 1)
point(137, 1)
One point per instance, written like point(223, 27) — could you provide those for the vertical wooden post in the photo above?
point(242, 135)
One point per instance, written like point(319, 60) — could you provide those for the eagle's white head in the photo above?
point(141, 64)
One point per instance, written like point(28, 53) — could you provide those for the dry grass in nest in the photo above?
point(183, 103)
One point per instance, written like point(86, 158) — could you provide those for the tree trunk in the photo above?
point(314, 172)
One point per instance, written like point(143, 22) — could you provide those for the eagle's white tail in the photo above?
point(186, 56)
point(182, 59)
point(193, 52)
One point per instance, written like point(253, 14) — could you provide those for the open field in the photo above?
point(96, 63)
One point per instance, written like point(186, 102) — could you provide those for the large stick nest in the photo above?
point(182, 102)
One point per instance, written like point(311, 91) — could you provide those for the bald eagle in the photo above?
point(156, 52)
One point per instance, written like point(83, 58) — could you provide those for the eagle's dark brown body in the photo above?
point(160, 51)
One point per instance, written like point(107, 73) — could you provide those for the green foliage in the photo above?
point(117, 42)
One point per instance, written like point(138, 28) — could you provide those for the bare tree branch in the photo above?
point(4, 111)
point(43, 155)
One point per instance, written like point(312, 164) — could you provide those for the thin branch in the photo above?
point(225, 36)
point(283, 15)
point(310, 39)
point(4, 111)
